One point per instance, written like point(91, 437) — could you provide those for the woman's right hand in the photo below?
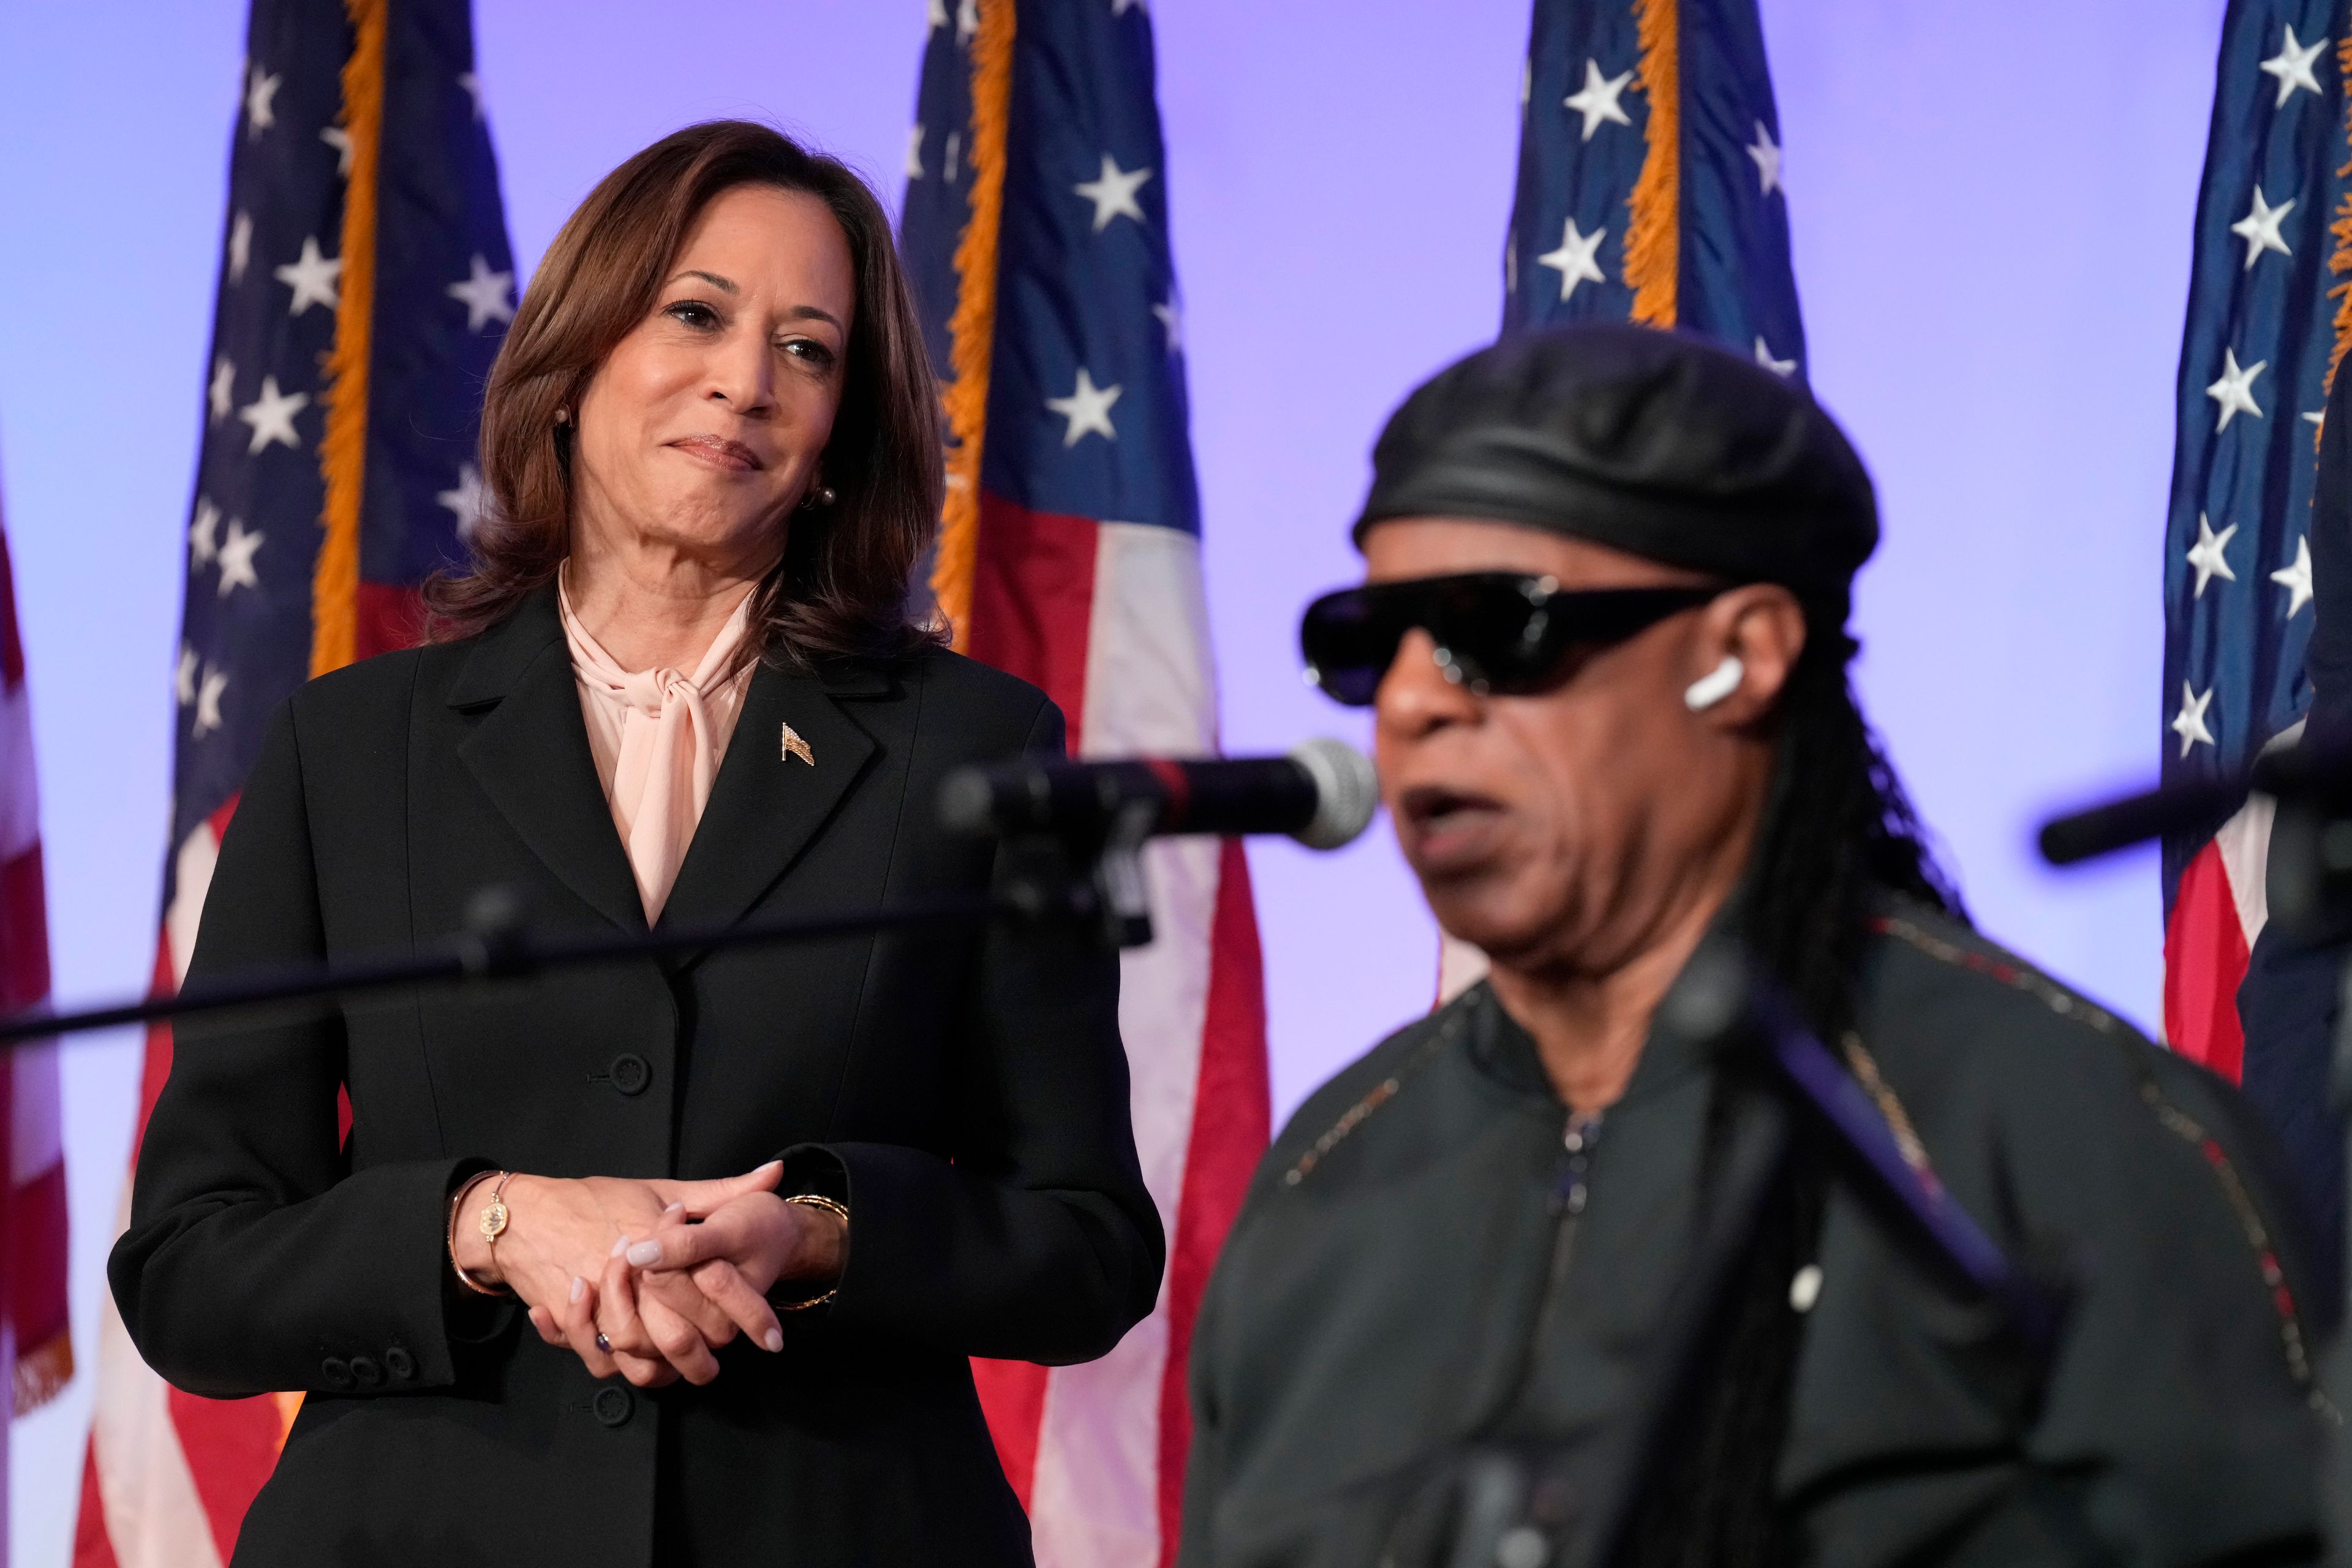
point(562, 1236)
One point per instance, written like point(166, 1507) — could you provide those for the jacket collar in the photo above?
point(530, 756)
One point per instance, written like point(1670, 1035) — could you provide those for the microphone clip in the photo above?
point(1092, 875)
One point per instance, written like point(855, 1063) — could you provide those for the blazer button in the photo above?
point(367, 1371)
point(612, 1405)
point(400, 1363)
point(335, 1372)
point(630, 1073)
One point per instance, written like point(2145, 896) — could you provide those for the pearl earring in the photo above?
point(822, 496)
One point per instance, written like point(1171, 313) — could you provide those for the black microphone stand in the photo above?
point(1521, 1506)
point(1092, 876)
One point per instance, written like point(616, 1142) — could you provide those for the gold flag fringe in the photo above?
point(1654, 237)
point(343, 454)
point(972, 331)
point(43, 1373)
point(2339, 261)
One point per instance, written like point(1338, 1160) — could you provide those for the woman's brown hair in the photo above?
point(841, 585)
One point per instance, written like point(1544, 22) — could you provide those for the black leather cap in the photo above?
point(1647, 441)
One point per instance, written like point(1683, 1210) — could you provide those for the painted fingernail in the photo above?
point(579, 1287)
point(776, 1340)
point(674, 1208)
point(644, 1252)
point(620, 1246)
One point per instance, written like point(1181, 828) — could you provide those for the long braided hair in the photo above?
point(1839, 832)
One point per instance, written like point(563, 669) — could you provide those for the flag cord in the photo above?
point(343, 453)
point(1654, 237)
point(972, 330)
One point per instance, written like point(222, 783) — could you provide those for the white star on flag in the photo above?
point(1777, 366)
point(1087, 408)
point(1598, 100)
point(1767, 154)
point(236, 558)
point(949, 155)
point(473, 86)
point(314, 279)
point(260, 101)
point(338, 138)
point(2234, 391)
point(1171, 317)
point(467, 500)
point(1121, 7)
point(183, 678)
point(967, 19)
point(2206, 555)
point(1574, 258)
point(2292, 66)
point(240, 246)
point(1113, 193)
point(223, 386)
point(202, 550)
point(208, 700)
point(272, 416)
point(484, 293)
point(2260, 228)
point(915, 150)
point(935, 15)
point(2316, 419)
point(2190, 723)
point(2295, 578)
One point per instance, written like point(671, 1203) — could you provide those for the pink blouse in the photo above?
point(658, 736)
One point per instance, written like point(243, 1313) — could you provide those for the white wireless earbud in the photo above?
point(1715, 685)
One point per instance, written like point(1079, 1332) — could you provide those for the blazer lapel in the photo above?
point(771, 798)
point(530, 756)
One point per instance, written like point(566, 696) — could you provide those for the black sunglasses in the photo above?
point(1498, 631)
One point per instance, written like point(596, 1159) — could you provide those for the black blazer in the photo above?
point(964, 1092)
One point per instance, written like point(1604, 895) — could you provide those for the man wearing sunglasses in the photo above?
point(1603, 632)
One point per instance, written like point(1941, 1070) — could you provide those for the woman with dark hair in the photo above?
point(676, 1260)
point(1603, 632)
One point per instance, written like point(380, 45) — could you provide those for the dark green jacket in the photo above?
point(1409, 1276)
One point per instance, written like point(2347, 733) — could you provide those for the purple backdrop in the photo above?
point(1991, 234)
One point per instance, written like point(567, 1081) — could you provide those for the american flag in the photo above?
point(2256, 359)
point(1036, 225)
point(1649, 191)
point(35, 1349)
point(365, 284)
point(1650, 176)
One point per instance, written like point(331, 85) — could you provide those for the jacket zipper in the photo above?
point(1569, 1198)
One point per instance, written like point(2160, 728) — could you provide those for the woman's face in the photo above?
point(706, 425)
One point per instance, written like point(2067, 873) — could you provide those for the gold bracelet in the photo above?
point(818, 1201)
point(456, 1200)
point(497, 1210)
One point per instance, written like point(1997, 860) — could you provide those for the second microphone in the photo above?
point(1323, 794)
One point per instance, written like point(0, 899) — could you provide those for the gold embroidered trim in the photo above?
point(2170, 1116)
point(1379, 1095)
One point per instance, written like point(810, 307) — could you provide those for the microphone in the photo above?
point(2119, 824)
point(1323, 794)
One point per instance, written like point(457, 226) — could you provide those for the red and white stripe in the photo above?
point(2217, 911)
point(1110, 619)
point(36, 1348)
point(170, 1475)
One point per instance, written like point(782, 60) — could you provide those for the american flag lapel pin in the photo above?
point(797, 747)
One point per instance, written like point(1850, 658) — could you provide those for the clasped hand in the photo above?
point(665, 1272)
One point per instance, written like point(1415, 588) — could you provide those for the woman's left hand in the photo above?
point(743, 1247)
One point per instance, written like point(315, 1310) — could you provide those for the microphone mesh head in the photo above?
point(1347, 790)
